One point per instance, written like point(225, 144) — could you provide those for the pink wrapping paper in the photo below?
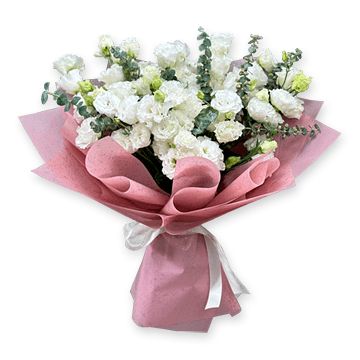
point(171, 288)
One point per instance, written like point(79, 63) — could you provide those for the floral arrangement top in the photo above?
point(175, 108)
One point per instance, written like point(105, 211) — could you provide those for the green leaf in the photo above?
point(75, 100)
point(312, 133)
point(208, 53)
point(206, 89)
point(82, 110)
point(206, 42)
point(46, 86)
point(44, 97)
point(202, 47)
point(67, 107)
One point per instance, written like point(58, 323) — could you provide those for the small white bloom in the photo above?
point(122, 89)
point(123, 140)
point(210, 150)
point(149, 72)
point(174, 92)
point(140, 136)
point(289, 105)
point(226, 101)
point(263, 112)
point(70, 81)
point(150, 110)
point(105, 44)
point(169, 54)
point(141, 86)
point(132, 47)
point(112, 75)
point(127, 109)
point(169, 163)
point(255, 72)
point(86, 135)
point(219, 67)
point(186, 139)
point(107, 103)
point(191, 106)
point(286, 83)
point(160, 148)
point(228, 130)
point(185, 122)
point(267, 60)
point(69, 62)
point(166, 129)
point(220, 43)
point(231, 78)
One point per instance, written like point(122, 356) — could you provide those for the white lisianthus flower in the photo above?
point(220, 43)
point(255, 72)
point(267, 60)
point(70, 81)
point(169, 54)
point(289, 105)
point(185, 122)
point(69, 62)
point(230, 79)
point(149, 72)
point(174, 92)
point(107, 103)
point(186, 139)
point(263, 112)
point(141, 86)
point(226, 101)
point(122, 89)
point(86, 135)
point(210, 150)
point(169, 163)
point(127, 109)
point(228, 130)
point(123, 140)
point(149, 110)
point(112, 75)
point(160, 148)
point(131, 47)
point(191, 106)
point(219, 67)
point(140, 136)
point(105, 45)
point(166, 129)
point(286, 83)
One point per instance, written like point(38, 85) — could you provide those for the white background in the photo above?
point(65, 273)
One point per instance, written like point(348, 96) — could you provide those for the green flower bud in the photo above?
point(156, 83)
point(285, 58)
point(200, 95)
point(86, 86)
point(159, 96)
point(263, 95)
point(89, 100)
point(228, 115)
point(252, 84)
point(231, 161)
point(300, 82)
point(268, 145)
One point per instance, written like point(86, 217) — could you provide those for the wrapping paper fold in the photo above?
point(171, 287)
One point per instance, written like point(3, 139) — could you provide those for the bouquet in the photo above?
point(172, 145)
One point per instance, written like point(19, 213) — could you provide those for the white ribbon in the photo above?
point(138, 235)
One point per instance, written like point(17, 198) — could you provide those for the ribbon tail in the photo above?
point(236, 285)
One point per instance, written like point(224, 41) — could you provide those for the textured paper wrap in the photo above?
point(171, 287)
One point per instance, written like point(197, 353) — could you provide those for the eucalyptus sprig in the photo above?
point(208, 114)
point(129, 64)
point(244, 83)
point(62, 100)
point(288, 58)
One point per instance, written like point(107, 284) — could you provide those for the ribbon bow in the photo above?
point(138, 235)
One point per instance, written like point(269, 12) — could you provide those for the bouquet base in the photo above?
point(172, 285)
